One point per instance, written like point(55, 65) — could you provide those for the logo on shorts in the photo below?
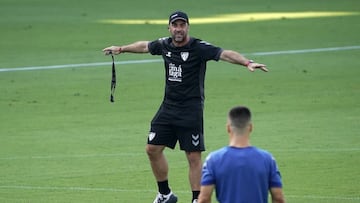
point(151, 136)
point(195, 139)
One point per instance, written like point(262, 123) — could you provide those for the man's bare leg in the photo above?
point(195, 167)
point(158, 161)
point(159, 166)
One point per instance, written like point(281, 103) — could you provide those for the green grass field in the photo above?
point(61, 140)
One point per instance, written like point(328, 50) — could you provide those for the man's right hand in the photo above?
point(112, 50)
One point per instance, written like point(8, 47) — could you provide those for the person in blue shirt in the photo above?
point(239, 172)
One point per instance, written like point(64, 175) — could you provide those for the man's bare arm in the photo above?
point(136, 47)
point(236, 58)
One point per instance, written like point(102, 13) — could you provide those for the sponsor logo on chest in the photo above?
point(175, 73)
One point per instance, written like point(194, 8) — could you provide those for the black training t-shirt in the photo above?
point(185, 69)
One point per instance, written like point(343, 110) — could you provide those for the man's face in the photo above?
point(179, 30)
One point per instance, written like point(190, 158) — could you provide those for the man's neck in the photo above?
point(239, 141)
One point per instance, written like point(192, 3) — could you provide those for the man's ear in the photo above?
point(250, 127)
point(228, 128)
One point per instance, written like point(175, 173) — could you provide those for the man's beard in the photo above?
point(179, 37)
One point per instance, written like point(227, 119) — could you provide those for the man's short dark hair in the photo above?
point(240, 117)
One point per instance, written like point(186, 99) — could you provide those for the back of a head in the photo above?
point(240, 118)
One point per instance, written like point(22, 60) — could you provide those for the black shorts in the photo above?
point(172, 124)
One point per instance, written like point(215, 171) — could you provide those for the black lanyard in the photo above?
point(113, 80)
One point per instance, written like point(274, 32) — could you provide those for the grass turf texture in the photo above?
point(63, 141)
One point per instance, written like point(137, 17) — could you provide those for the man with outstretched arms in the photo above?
point(180, 116)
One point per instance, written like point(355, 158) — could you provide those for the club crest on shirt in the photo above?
point(184, 55)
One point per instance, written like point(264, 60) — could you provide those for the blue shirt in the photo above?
point(241, 175)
